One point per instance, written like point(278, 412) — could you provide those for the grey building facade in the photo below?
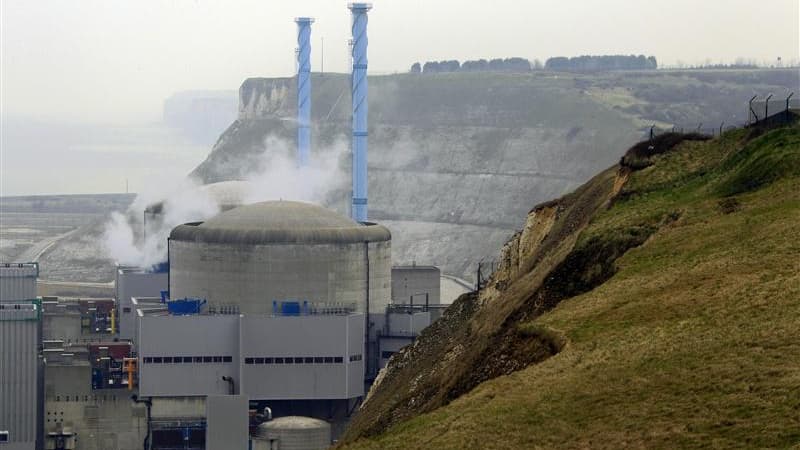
point(417, 282)
point(311, 357)
point(133, 282)
point(21, 376)
point(18, 281)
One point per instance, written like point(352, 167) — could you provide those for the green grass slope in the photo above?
point(692, 341)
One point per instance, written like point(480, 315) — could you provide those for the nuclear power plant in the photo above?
point(264, 328)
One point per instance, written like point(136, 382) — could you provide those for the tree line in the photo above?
point(587, 63)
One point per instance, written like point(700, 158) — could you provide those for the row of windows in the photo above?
point(186, 359)
point(296, 360)
point(94, 398)
point(264, 360)
point(300, 360)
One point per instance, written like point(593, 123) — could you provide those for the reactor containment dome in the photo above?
point(256, 255)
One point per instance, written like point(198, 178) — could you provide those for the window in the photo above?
point(318, 360)
point(268, 360)
point(168, 360)
point(126, 309)
point(157, 360)
point(259, 360)
point(207, 359)
point(298, 360)
point(148, 360)
point(338, 360)
point(288, 360)
point(198, 359)
point(329, 360)
point(227, 359)
point(4, 436)
point(309, 360)
point(278, 360)
point(249, 360)
point(187, 359)
point(355, 358)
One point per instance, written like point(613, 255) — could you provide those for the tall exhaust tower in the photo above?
point(303, 89)
point(359, 80)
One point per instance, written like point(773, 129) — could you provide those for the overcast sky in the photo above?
point(108, 60)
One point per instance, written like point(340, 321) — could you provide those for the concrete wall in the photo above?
point(18, 281)
point(127, 315)
point(417, 281)
point(408, 324)
point(303, 337)
point(227, 422)
point(253, 276)
point(19, 374)
point(134, 282)
point(103, 419)
point(334, 344)
point(187, 336)
point(65, 326)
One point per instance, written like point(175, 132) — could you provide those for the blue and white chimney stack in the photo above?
point(359, 80)
point(303, 89)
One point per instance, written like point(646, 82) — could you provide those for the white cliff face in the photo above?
point(260, 97)
point(452, 169)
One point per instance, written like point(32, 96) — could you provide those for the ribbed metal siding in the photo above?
point(18, 282)
point(19, 374)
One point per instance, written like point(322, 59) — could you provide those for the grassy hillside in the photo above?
point(672, 314)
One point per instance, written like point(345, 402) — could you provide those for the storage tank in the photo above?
point(293, 433)
point(279, 251)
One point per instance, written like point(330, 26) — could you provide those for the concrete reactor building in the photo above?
point(255, 255)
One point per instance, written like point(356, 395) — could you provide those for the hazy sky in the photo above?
point(110, 60)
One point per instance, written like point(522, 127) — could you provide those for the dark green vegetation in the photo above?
point(661, 305)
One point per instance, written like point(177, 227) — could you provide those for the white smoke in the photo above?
point(277, 176)
point(137, 239)
point(182, 202)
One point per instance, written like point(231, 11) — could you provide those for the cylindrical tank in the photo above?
point(254, 255)
point(293, 433)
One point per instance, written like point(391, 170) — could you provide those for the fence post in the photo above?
point(720, 127)
point(766, 106)
point(752, 111)
point(653, 126)
point(787, 106)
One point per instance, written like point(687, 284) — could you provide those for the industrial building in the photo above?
point(264, 327)
point(18, 281)
point(20, 375)
point(136, 282)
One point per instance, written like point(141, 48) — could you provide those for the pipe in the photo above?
point(359, 102)
point(366, 315)
point(231, 384)
point(303, 89)
point(113, 321)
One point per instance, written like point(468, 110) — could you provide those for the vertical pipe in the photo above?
point(303, 89)
point(359, 98)
point(367, 372)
